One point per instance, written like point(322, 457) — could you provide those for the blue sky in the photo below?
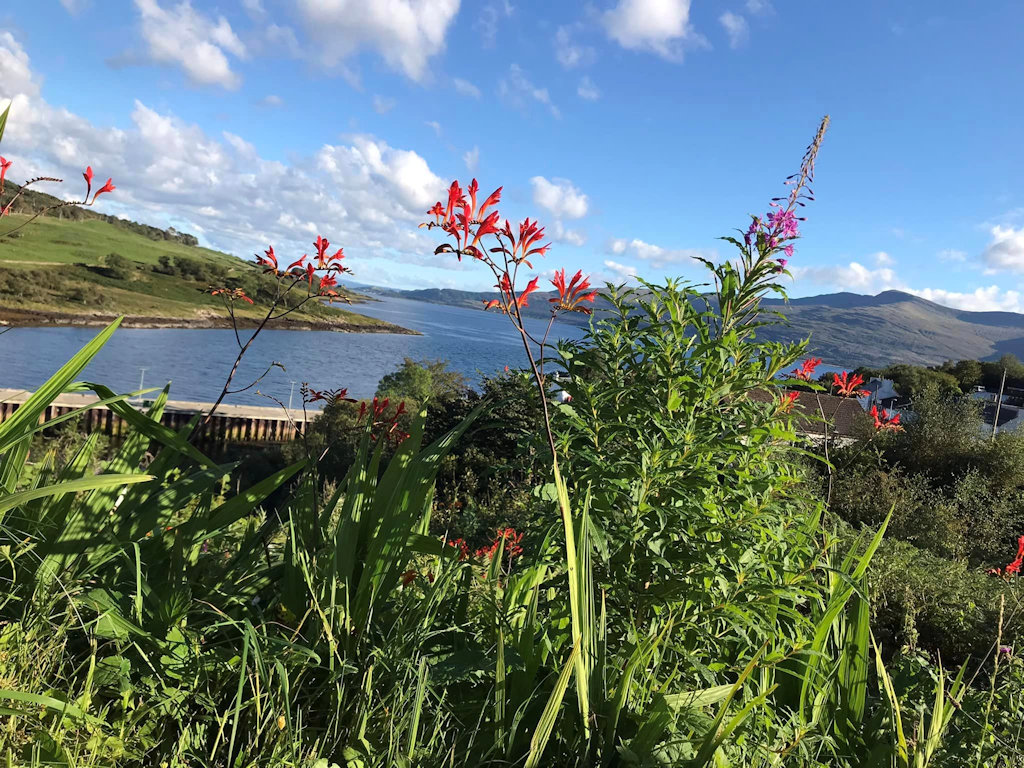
point(637, 130)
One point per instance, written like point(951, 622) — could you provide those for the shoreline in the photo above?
point(35, 318)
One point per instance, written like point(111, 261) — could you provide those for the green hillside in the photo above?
point(84, 268)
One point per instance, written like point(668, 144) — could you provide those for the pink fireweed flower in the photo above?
point(751, 234)
point(783, 224)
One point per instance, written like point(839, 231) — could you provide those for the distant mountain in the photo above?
point(851, 329)
point(847, 329)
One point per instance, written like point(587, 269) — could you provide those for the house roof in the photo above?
point(1006, 413)
point(842, 413)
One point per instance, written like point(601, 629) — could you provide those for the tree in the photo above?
point(423, 382)
point(117, 266)
point(968, 373)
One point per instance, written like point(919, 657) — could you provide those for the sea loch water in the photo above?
point(196, 362)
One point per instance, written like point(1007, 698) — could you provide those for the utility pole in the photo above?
point(999, 402)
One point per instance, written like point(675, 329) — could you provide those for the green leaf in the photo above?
point(3, 120)
point(550, 714)
point(71, 486)
point(54, 705)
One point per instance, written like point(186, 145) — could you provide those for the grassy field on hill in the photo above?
point(87, 269)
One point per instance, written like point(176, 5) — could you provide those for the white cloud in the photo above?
point(658, 255)
point(560, 234)
point(559, 197)
point(991, 299)
point(271, 100)
point(883, 259)
point(952, 255)
point(406, 33)
point(73, 6)
point(660, 26)
point(466, 88)
point(759, 7)
point(184, 37)
point(489, 19)
point(587, 90)
point(1006, 249)
point(570, 54)
point(621, 270)
point(254, 8)
point(517, 91)
point(15, 70)
point(361, 192)
point(436, 126)
point(736, 28)
point(382, 105)
point(472, 159)
point(851, 277)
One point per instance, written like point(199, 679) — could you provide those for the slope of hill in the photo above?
point(897, 327)
point(83, 268)
point(848, 329)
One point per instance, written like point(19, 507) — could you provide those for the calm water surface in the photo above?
point(196, 362)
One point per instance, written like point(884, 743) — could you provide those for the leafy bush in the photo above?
point(674, 599)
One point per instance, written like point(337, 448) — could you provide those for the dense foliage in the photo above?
point(673, 591)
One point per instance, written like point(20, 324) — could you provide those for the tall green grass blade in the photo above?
point(72, 486)
point(56, 706)
point(412, 735)
point(3, 120)
point(549, 716)
point(24, 420)
point(902, 749)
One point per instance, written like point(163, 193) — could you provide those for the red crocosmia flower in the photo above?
point(408, 578)
point(530, 288)
point(491, 304)
point(1015, 567)
point(788, 400)
point(300, 263)
point(885, 421)
point(437, 212)
point(805, 370)
point(269, 260)
point(461, 546)
point(310, 273)
point(512, 547)
point(232, 294)
point(4, 165)
point(846, 385)
point(321, 244)
point(326, 282)
point(108, 187)
point(88, 180)
point(572, 295)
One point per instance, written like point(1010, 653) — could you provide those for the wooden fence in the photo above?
point(230, 424)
